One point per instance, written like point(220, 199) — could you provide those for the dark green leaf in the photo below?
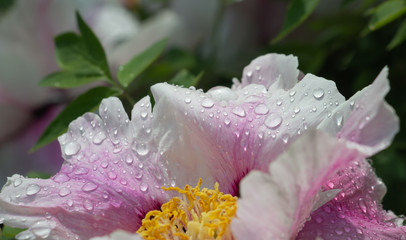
point(186, 79)
point(68, 79)
point(399, 37)
point(386, 13)
point(298, 11)
point(93, 46)
point(10, 233)
point(84, 103)
point(128, 72)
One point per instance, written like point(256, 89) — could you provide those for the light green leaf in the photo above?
point(68, 79)
point(84, 103)
point(128, 72)
point(399, 38)
point(93, 46)
point(35, 174)
point(186, 79)
point(9, 232)
point(386, 13)
point(298, 11)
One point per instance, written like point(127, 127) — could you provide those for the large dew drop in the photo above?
point(239, 111)
point(318, 93)
point(33, 189)
point(64, 192)
point(207, 103)
point(222, 93)
point(274, 120)
point(89, 187)
point(71, 148)
point(261, 109)
point(99, 138)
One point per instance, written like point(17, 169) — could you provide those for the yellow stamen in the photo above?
point(200, 214)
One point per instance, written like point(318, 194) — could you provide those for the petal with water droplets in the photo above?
point(275, 205)
point(97, 189)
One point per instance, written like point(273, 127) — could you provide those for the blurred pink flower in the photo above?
point(115, 167)
point(27, 55)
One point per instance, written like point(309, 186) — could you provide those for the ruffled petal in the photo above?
point(270, 69)
point(223, 134)
point(110, 179)
point(366, 118)
point(276, 205)
point(356, 212)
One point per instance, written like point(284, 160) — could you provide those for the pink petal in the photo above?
point(356, 212)
point(269, 69)
point(366, 118)
point(224, 134)
point(276, 205)
point(110, 179)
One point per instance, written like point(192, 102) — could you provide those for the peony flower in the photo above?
point(286, 203)
point(115, 168)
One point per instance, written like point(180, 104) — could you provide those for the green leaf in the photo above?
point(186, 79)
point(400, 36)
point(93, 46)
point(35, 174)
point(69, 79)
point(298, 11)
point(128, 72)
point(84, 103)
point(386, 13)
point(10, 233)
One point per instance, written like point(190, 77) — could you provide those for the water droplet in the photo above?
point(112, 175)
point(33, 189)
point(143, 187)
point(129, 159)
point(141, 149)
point(330, 185)
point(279, 102)
point(239, 111)
point(144, 114)
point(339, 231)
point(71, 148)
point(318, 93)
point(292, 93)
point(249, 74)
point(319, 219)
point(222, 93)
point(361, 204)
point(187, 100)
point(104, 164)
point(296, 110)
point(17, 182)
point(273, 120)
point(70, 202)
point(88, 205)
point(89, 187)
point(207, 103)
point(41, 229)
point(61, 178)
point(99, 138)
point(64, 192)
point(261, 109)
point(339, 119)
point(227, 121)
point(285, 138)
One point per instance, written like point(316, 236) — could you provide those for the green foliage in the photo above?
point(399, 38)
point(129, 71)
point(186, 79)
point(9, 233)
point(84, 103)
point(298, 11)
point(81, 58)
point(386, 13)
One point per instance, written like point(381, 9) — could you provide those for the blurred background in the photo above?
point(347, 41)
